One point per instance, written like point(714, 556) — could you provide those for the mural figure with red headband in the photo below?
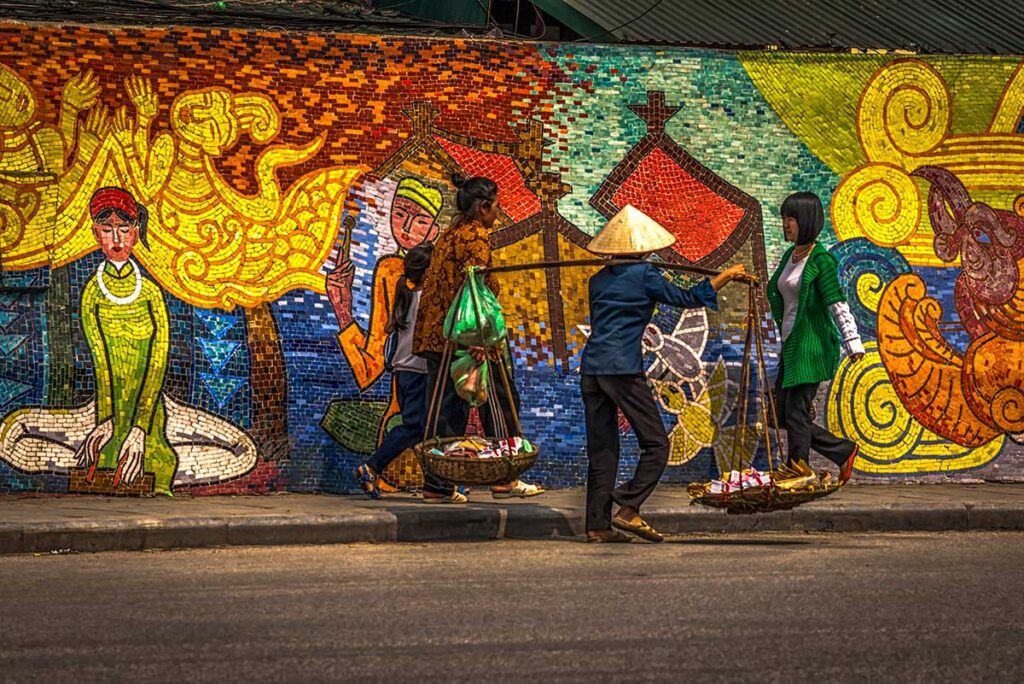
point(126, 324)
point(134, 438)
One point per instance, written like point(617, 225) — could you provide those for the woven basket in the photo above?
point(462, 470)
point(761, 499)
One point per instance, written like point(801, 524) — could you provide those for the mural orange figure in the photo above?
point(974, 397)
point(414, 212)
point(415, 207)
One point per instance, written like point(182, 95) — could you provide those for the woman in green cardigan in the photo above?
point(810, 309)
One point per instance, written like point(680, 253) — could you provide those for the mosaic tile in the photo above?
point(250, 359)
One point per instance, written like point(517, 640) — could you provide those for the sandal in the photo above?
point(453, 498)
point(522, 490)
point(386, 486)
point(367, 479)
point(640, 529)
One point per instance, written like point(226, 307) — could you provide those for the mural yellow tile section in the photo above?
point(902, 116)
point(212, 244)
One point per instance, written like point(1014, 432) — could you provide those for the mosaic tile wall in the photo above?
point(224, 333)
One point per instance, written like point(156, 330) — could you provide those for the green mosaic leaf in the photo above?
point(353, 423)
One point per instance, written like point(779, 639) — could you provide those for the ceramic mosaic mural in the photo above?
point(224, 333)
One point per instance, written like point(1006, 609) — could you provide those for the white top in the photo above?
point(789, 287)
point(404, 359)
point(789, 284)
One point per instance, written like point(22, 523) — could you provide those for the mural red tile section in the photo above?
point(519, 203)
point(700, 218)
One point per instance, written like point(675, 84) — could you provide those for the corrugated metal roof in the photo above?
point(950, 26)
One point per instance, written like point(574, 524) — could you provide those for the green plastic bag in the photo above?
point(474, 319)
point(470, 378)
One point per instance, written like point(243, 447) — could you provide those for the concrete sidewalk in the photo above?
point(87, 523)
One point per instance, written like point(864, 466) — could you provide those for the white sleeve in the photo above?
point(847, 328)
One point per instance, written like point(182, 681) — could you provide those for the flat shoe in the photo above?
point(847, 470)
point(616, 538)
point(367, 480)
point(640, 529)
point(386, 486)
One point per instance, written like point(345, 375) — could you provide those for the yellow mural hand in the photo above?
point(140, 92)
point(81, 91)
point(94, 129)
point(121, 125)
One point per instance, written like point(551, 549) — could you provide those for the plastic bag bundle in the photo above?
point(475, 319)
point(470, 378)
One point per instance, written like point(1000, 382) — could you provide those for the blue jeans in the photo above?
point(411, 389)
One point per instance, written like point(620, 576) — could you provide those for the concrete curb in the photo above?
point(418, 523)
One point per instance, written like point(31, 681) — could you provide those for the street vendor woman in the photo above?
point(622, 301)
point(465, 243)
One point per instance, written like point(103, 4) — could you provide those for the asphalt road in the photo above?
point(765, 608)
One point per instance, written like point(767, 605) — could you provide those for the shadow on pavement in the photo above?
point(741, 542)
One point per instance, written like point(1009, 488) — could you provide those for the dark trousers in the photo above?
point(793, 406)
point(602, 395)
point(454, 417)
point(411, 389)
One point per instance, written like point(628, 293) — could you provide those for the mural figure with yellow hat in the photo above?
point(622, 300)
point(414, 212)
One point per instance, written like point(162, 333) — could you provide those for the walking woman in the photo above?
point(409, 371)
point(465, 243)
point(622, 301)
point(810, 309)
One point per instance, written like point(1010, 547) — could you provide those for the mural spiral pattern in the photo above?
point(864, 271)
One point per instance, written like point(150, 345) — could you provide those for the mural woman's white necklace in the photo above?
point(111, 297)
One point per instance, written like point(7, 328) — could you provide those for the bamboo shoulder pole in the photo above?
point(570, 263)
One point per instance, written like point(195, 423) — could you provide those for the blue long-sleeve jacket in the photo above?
point(622, 300)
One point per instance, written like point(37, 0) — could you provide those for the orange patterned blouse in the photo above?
point(466, 244)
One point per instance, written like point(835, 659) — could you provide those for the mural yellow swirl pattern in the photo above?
point(211, 244)
point(863, 406)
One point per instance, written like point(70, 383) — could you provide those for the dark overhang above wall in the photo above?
point(935, 26)
point(357, 16)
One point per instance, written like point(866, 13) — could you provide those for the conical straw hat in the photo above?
point(630, 231)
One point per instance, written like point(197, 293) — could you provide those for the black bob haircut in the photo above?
point(806, 208)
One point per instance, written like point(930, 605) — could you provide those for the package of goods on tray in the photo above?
point(474, 444)
point(738, 480)
point(476, 447)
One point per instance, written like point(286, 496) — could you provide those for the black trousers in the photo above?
point(793, 406)
point(602, 395)
point(454, 417)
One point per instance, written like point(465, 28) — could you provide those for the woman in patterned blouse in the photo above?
point(465, 243)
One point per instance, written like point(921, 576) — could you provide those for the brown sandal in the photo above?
point(640, 529)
